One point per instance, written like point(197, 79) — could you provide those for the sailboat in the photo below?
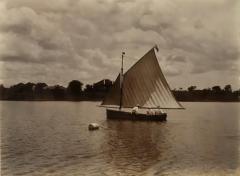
point(144, 86)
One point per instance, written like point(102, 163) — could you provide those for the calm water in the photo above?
point(52, 138)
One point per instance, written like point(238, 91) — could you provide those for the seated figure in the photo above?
point(150, 112)
point(135, 109)
point(158, 111)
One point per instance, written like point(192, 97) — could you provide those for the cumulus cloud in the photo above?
point(57, 41)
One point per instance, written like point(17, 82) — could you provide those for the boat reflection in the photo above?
point(134, 146)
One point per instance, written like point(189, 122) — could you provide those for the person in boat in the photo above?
point(158, 111)
point(150, 111)
point(135, 109)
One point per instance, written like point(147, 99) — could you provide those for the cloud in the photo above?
point(176, 58)
point(85, 38)
point(29, 37)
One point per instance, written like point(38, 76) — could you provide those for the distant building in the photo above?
point(102, 86)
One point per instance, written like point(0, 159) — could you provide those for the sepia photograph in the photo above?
point(120, 88)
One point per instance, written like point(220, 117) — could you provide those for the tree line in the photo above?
point(216, 93)
point(41, 91)
point(96, 92)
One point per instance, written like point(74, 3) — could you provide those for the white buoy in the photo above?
point(93, 126)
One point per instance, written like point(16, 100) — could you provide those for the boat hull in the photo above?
point(122, 115)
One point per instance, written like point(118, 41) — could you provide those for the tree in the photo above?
point(192, 88)
point(75, 87)
point(88, 88)
point(216, 89)
point(2, 91)
point(39, 87)
point(58, 92)
point(228, 88)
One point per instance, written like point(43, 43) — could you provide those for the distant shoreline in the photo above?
point(75, 92)
point(101, 100)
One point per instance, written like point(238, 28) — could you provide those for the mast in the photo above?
point(121, 82)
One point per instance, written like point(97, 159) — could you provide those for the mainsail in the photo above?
point(143, 84)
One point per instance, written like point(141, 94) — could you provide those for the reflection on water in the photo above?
point(134, 146)
point(51, 138)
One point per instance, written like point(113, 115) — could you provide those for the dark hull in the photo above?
point(121, 115)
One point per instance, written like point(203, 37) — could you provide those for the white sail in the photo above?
point(145, 85)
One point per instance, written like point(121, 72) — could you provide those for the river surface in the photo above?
point(52, 138)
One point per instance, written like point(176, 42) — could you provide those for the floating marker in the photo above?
point(93, 126)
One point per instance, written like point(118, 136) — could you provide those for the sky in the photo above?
point(59, 41)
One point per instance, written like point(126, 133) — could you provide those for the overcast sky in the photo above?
point(56, 41)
